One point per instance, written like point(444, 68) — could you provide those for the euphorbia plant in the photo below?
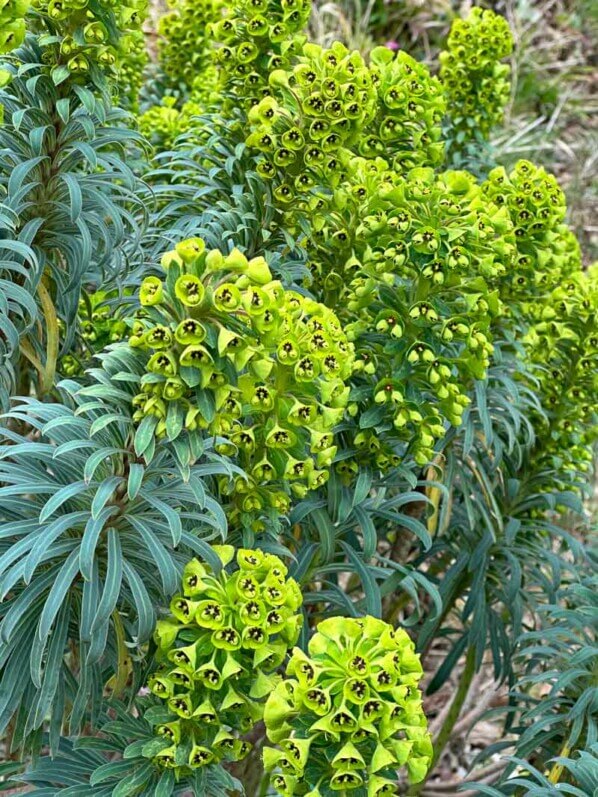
point(475, 82)
point(336, 315)
point(71, 207)
point(256, 37)
point(412, 261)
point(233, 354)
point(218, 654)
point(348, 713)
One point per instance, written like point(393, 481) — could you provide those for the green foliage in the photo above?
point(86, 766)
point(561, 655)
point(92, 537)
point(69, 196)
point(348, 713)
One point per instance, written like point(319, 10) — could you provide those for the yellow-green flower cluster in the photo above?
point(130, 71)
point(227, 634)
point(91, 34)
point(417, 298)
point(349, 714)
point(97, 327)
point(256, 38)
point(233, 354)
point(184, 46)
point(563, 345)
point(546, 252)
point(476, 84)
point(319, 108)
point(407, 128)
point(555, 302)
point(12, 24)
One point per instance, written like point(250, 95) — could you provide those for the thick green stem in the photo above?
point(451, 718)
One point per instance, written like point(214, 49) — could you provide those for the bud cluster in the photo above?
point(184, 44)
point(12, 24)
point(97, 327)
point(131, 68)
point(256, 38)
point(549, 296)
point(318, 109)
point(417, 290)
point(564, 345)
point(546, 250)
point(91, 34)
point(349, 714)
point(163, 124)
point(233, 354)
point(407, 128)
point(476, 85)
point(219, 649)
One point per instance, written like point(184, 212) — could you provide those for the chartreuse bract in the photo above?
point(546, 250)
point(348, 713)
point(349, 344)
point(232, 354)
point(317, 109)
point(255, 38)
point(553, 303)
point(406, 130)
point(227, 634)
point(189, 73)
point(12, 24)
point(475, 83)
point(89, 38)
point(184, 44)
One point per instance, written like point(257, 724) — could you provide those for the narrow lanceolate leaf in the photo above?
point(172, 518)
point(60, 497)
point(373, 600)
point(103, 493)
point(146, 616)
point(136, 473)
point(57, 594)
point(162, 559)
point(112, 582)
point(91, 535)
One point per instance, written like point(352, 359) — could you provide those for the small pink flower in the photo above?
point(143, 691)
point(392, 45)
